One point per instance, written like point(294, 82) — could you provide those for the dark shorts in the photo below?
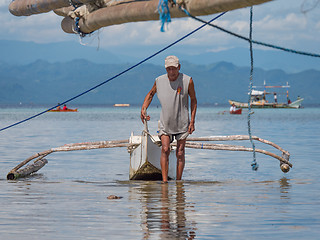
point(178, 136)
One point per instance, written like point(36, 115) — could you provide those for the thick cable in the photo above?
point(253, 41)
point(117, 75)
point(254, 163)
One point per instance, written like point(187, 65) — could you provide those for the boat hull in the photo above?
point(145, 159)
point(295, 104)
point(238, 111)
point(121, 105)
point(61, 110)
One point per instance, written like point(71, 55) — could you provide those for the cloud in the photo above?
point(38, 28)
point(275, 22)
point(4, 3)
point(148, 33)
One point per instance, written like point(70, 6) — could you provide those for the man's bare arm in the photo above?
point(147, 101)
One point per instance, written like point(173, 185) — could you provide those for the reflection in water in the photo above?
point(165, 212)
point(173, 217)
point(285, 186)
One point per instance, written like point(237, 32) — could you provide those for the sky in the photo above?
point(293, 24)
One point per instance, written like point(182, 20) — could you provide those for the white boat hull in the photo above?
point(295, 104)
point(145, 159)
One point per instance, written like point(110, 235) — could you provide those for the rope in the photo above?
point(164, 13)
point(73, 4)
point(117, 75)
point(254, 164)
point(305, 8)
point(248, 40)
point(77, 29)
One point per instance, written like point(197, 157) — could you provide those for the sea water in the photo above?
point(220, 197)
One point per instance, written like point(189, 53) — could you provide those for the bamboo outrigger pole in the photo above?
point(146, 11)
point(96, 14)
point(16, 172)
point(40, 160)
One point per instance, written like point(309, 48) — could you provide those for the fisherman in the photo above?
point(275, 97)
point(172, 91)
point(233, 108)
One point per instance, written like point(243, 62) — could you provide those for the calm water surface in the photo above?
point(220, 197)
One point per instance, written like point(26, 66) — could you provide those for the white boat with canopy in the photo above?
point(266, 99)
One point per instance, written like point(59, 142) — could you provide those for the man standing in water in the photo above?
point(173, 90)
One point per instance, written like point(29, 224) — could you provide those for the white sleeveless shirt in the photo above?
point(173, 97)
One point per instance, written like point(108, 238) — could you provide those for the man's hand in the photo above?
point(144, 115)
point(191, 128)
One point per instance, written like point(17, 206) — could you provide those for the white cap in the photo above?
point(171, 61)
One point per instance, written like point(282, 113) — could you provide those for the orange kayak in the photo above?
point(61, 110)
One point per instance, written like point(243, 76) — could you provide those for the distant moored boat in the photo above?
point(259, 99)
point(121, 105)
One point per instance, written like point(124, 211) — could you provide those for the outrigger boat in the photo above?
point(145, 153)
point(259, 99)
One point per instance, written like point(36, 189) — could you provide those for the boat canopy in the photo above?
point(256, 93)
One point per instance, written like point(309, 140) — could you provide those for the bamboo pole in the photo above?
point(238, 138)
point(40, 161)
point(147, 11)
point(30, 7)
point(203, 7)
point(92, 145)
point(211, 146)
point(29, 169)
point(31, 158)
point(16, 173)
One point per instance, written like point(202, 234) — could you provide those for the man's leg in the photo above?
point(180, 153)
point(164, 159)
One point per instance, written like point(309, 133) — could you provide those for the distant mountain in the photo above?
point(265, 59)
point(20, 52)
point(43, 82)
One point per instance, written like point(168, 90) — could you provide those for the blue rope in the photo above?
point(77, 28)
point(164, 13)
point(117, 75)
point(73, 4)
point(254, 163)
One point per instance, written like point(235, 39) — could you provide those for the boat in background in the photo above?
point(121, 105)
point(259, 99)
point(61, 110)
point(237, 111)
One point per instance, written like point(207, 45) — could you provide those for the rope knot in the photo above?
point(255, 166)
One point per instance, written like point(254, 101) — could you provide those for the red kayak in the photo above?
point(238, 111)
point(61, 110)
